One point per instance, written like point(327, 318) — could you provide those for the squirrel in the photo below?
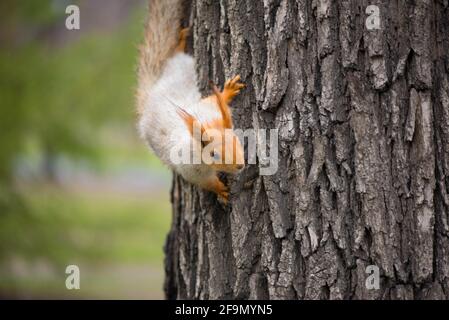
point(170, 107)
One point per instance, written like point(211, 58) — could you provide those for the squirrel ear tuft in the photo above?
point(191, 123)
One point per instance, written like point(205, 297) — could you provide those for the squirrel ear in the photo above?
point(191, 123)
point(224, 108)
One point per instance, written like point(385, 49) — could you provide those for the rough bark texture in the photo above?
point(363, 179)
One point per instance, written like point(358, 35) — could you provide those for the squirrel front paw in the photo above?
point(232, 88)
point(215, 185)
point(224, 194)
point(221, 190)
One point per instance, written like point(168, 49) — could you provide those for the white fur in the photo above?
point(161, 126)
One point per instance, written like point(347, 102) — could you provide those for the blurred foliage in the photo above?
point(39, 13)
point(72, 101)
point(56, 99)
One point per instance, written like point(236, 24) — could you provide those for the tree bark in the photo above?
point(363, 179)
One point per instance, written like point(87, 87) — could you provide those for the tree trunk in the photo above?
point(363, 178)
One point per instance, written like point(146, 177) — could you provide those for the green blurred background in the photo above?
point(77, 186)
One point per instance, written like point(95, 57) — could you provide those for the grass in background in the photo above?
point(116, 240)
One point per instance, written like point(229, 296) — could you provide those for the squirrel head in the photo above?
point(221, 148)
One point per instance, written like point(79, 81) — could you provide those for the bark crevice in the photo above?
point(363, 178)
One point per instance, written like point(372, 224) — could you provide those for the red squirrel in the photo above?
point(170, 106)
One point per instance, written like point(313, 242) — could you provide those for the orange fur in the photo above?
point(190, 121)
point(215, 185)
point(222, 99)
point(224, 108)
point(182, 40)
point(232, 88)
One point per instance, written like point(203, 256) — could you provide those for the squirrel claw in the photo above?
point(234, 84)
point(218, 187)
point(224, 196)
point(223, 193)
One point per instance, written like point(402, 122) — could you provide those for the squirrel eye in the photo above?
point(214, 154)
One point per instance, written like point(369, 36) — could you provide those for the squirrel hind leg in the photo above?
point(183, 34)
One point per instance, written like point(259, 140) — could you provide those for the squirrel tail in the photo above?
point(161, 38)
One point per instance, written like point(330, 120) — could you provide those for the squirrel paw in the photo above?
point(218, 187)
point(232, 88)
point(183, 34)
point(223, 193)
